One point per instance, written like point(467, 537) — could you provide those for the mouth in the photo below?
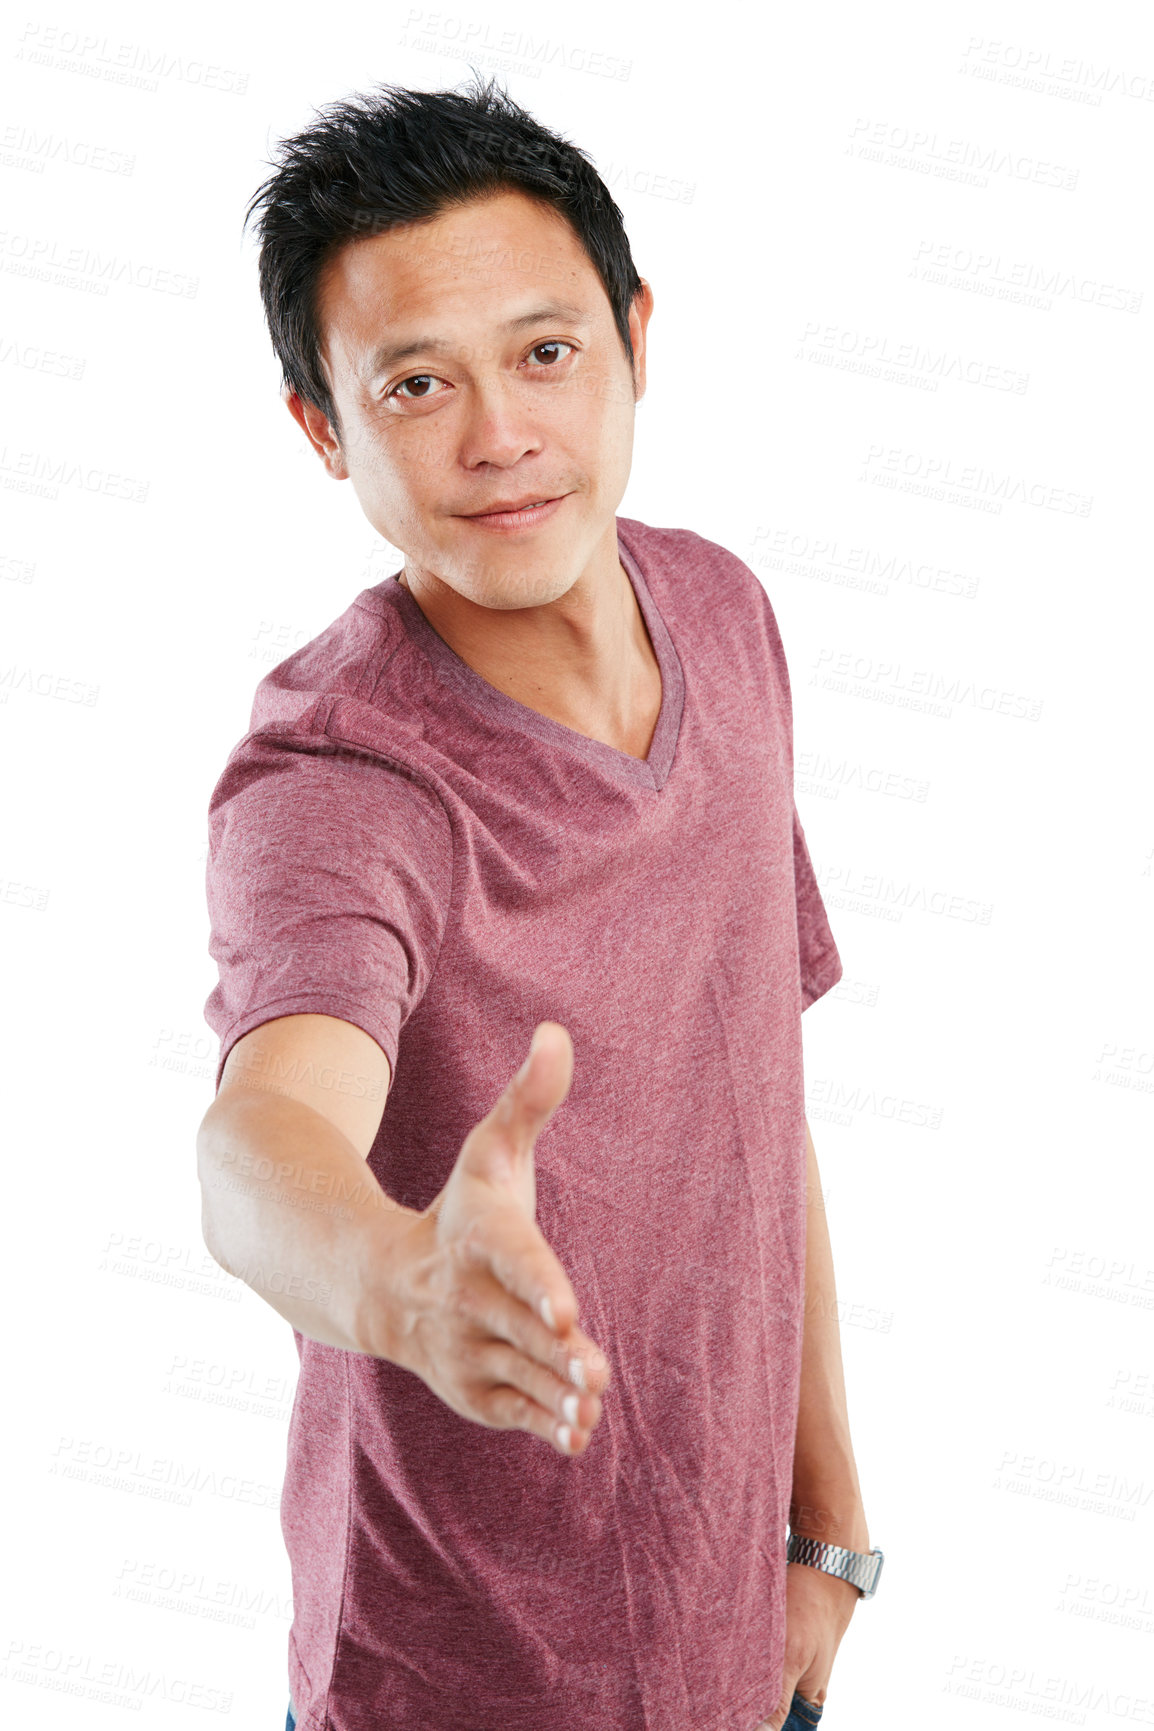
point(524, 515)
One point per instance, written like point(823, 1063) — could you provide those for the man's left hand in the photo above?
point(818, 1608)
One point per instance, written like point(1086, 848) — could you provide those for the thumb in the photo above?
point(526, 1103)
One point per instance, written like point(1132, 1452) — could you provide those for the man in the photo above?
point(569, 1354)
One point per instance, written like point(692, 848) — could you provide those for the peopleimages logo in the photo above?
point(476, 37)
point(42, 475)
point(128, 63)
point(1069, 76)
point(940, 475)
point(874, 354)
point(961, 159)
point(946, 264)
point(828, 560)
point(40, 684)
point(880, 680)
point(882, 897)
point(114, 1682)
point(25, 147)
point(45, 257)
point(126, 1468)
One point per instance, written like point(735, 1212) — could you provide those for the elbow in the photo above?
point(211, 1177)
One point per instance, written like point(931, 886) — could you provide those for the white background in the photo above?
point(862, 227)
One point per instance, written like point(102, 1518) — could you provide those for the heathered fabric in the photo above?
point(398, 843)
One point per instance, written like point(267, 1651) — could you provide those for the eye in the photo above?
point(553, 343)
point(420, 387)
point(417, 379)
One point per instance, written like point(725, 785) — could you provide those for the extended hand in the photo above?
point(475, 1269)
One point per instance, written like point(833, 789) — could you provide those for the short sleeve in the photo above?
point(820, 962)
point(328, 883)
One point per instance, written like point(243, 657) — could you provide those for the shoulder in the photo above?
point(707, 589)
point(326, 701)
point(683, 563)
point(320, 756)
point(344, 660)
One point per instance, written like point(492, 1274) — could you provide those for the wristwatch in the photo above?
point(860, 1568)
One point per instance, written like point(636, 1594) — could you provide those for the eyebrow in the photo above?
point(390, 355)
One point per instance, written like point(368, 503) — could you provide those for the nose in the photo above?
point(500, 427)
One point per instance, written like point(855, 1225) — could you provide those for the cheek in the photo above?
point(395, 467)
point(419, 457)
point(388, 484)
point(613, 434)
point(597, 427)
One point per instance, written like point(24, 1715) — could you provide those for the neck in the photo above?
point(584, 659)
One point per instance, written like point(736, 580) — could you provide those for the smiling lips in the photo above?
point(522, 515)
point(513, 505)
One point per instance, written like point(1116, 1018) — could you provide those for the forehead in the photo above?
point(470, 265)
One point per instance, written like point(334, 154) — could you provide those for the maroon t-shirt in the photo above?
point(398, 843)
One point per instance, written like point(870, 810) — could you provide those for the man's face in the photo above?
point(475, 363)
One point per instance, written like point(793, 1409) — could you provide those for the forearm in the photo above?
point(291, 1208)
point(826, 1501)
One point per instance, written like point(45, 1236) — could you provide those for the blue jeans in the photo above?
point(803, 1715)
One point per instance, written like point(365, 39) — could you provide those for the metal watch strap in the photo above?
point(860, 1568)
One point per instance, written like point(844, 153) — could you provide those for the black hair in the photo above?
point(372, 162)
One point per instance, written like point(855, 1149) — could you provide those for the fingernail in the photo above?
point(564, 1435)
point(577, 1372)
point(569, 1407)
point(547, 1316)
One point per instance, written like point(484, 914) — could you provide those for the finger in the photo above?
point(530, 1098)
point(502, 1241)
point(784, 1708)
point(503, 1407)
point(487, 1305)
point(546, 1076)
point(500, 1365)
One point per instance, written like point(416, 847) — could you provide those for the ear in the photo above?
point(318, 430)
point(639, 314)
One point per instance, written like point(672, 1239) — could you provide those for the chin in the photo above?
point(505, 591)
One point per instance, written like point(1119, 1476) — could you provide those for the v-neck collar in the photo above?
point(652, 771)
